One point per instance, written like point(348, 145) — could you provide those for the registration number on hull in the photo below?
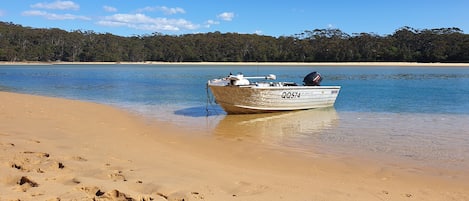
point(291, 94)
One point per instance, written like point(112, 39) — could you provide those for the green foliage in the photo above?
point(18, 43)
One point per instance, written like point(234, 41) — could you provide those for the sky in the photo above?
point(264, 17)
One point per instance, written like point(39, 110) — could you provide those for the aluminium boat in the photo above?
point(238, 94)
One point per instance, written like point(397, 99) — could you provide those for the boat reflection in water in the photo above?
point(284, 128)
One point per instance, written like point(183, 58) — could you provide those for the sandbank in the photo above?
point(316, 64)
point(58, 149)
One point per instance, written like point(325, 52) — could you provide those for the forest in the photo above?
point(406, 44)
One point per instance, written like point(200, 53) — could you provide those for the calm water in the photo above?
point(415, 113)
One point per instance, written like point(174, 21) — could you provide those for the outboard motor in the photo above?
point(312, 79)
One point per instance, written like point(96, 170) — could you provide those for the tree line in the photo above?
point(18, 43)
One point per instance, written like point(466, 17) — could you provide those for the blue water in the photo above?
point(364, 89)
point(419, 113)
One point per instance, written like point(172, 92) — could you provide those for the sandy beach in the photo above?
point(58, 149)
point(343, 64)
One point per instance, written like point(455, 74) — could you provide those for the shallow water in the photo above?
point(412, 113)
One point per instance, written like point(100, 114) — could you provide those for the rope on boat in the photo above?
point(210, 101)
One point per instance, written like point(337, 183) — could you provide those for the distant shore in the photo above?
point(364, 64)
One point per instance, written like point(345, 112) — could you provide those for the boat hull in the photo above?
point(255, 99)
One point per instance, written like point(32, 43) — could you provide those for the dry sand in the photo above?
point(56, 149)
point(343, 64)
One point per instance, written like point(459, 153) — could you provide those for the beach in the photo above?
point(59, 149)
point(315, 64)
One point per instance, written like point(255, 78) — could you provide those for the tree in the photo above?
point(18, 43)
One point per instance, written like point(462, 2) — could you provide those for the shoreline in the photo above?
point(325, 64)
point(54, 148)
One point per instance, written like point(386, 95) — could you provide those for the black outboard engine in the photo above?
point(312, 79)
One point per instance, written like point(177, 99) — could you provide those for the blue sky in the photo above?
point(266, 17)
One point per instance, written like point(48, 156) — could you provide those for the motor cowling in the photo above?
point(312, 79)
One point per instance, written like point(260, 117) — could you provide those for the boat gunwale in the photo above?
point(277, 87)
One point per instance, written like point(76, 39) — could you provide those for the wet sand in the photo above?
point(57, 149)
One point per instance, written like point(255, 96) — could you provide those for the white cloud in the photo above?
point(143, 22)
point(227, 16)
point(57, 5)
point(164, 9)
point(209, 23)
point(258, 32)
point(53, 16)
point(2, 13)
point(170, 11)
point(109, 9)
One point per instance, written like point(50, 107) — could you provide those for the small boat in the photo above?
point(237, 94)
